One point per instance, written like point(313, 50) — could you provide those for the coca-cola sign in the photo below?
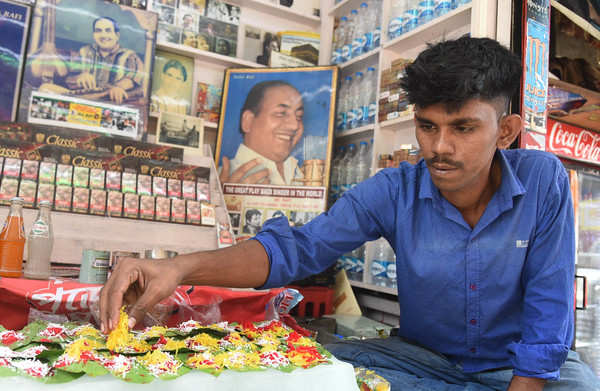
point(573, 142)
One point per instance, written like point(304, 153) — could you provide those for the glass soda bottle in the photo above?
point(39, 245)
point(12, 241)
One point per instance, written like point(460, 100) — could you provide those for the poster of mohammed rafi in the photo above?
point(94, 58)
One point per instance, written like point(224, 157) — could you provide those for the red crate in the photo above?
point(318, 301)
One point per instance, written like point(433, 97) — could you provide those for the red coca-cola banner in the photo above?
point(573, 142)
point(23, 300)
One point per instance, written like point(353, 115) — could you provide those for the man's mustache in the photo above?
point(443, 160)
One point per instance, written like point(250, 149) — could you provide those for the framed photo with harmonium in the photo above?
point(91, 51)
point(14, 25)
point(183, 131)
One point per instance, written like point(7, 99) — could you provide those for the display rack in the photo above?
point(75, 232)
point(477, 18)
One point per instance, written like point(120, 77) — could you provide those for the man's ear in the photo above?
point(247, 119)
point(510, 127)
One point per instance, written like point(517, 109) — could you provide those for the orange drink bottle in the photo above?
point(12, 241)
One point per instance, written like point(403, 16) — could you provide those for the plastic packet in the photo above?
point(368, 380)
point(282, 303)
point(174, 310)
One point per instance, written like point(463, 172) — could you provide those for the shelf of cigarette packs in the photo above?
point(148, 195)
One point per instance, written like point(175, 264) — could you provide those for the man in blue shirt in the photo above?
point(484, 243)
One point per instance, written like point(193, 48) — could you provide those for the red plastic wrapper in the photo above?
point(22, 300)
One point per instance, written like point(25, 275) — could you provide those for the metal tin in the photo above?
point(94, 266)
point(159, 253)
point(116, 256)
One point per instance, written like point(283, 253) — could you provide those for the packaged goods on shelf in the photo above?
point(147, 207)
point(81, 200)
point(208, 103)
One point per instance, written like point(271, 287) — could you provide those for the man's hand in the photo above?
point(259, 177)
point(520, 383)
point(86, 80)
point(117, 94)
point(140, 283)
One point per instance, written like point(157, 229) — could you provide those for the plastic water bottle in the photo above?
point(396, 24)
point(377, 5)
point(390, 271)
point(347, 39)
point(350, 114)
point(365, 92)
point(426, 11)
point(363, 162)
point(442, 7)
point(335, 174)
point(357, 264)
point(340, 118)
point(355, 98)
point(370, 25)
point(338, 41)
point(347, 175)
point(359, 40)
point(370, 92)
point(380, 263)
point(350, 33)
point(462, 2)
point(411, 16)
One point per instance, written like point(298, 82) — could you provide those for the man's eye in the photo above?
point(426, 127)
point(464, 129)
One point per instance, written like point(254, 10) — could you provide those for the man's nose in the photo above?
point(442, 142)
point(292, 122)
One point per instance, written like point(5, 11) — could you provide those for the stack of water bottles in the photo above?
point(383, 265)
point(357, 33)
point(357, 100)
point(407, 15)
point(350, 166)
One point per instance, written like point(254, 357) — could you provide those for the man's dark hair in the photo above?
point(251, 213)
point(256, 95)
point(453, 72)
point(177, 65)
point(114, 22)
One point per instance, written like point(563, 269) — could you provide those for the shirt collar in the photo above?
point(510, 186)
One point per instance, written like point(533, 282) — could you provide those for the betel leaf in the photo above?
point(50, 355)
point(59, 377)
point(8, 371)
point(34, 328)
point(182, 370)
point(138, 375)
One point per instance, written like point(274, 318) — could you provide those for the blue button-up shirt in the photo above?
point(496, 295)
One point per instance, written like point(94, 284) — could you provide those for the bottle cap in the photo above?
point(18, 200)
point(45, 203)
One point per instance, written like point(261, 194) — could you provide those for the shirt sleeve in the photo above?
point(364, 213)
point(548, 283)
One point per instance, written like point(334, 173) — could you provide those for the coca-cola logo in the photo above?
point(573, 142)
point(61, 299)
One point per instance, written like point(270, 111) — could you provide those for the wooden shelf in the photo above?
point(280, 11)
point(355, 131)
point(404, 118)
point(578, 20)
point(376, 288)
point(432, 31)
point(206, 56)
point(360, 59)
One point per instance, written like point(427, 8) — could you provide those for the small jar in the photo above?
point(94, 266)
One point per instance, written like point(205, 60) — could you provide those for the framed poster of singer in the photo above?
point(276, 126)
point(90, 51)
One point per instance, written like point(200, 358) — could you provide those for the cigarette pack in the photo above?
point(27, 191)
point(159, 186)
point(131, 205)
point(97, 177)
point(177, 210)
point(128, 182)
point(189, 190)
point(29, 169)
point(81, 177)
point(207, 213)
point(81, 200)
point(47, 172)
point(62, 198)
point(98, 202)
point(144, 184)
point(113, 180)
point(174, 188)
point(64, 174)
point(115, 204)
point(193, 212)
point(147, 207)
point(203, 190)
point(8, 189)
point(163, 208)
point(45, 192)
point(12, 167)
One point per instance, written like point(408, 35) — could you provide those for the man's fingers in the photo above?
point(143, 304)
point(117, 292)
point(237, 175)
point(261, 176)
